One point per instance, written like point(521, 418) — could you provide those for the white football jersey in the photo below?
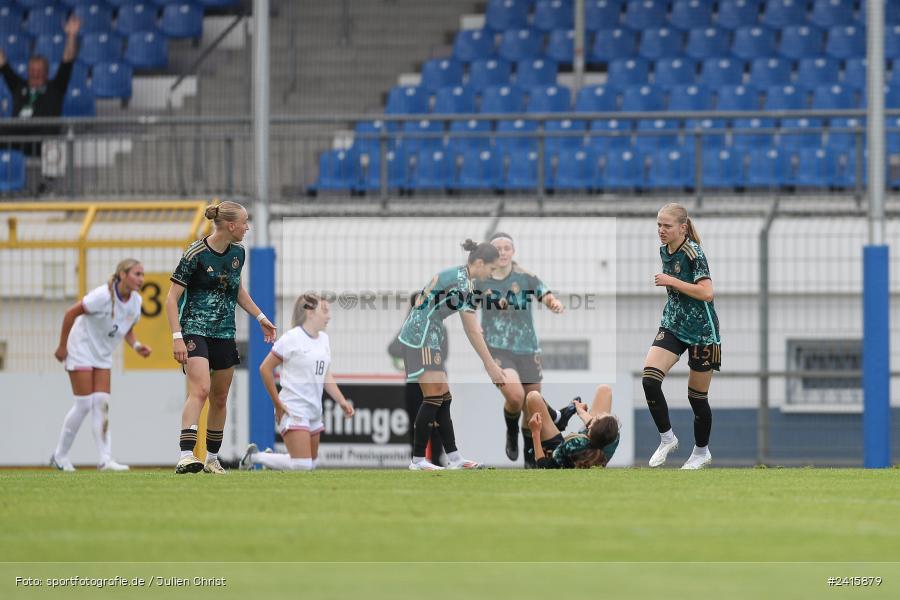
point(306, 360)
point(97, 332)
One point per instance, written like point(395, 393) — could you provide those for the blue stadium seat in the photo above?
point(801, 133)
point(733, 14)
point(472, 134)
point(892, 42)
point(765, 72)
point(424, 134)
point(12, 171)
point(643, 98)
point(812, 72)
point(45, 19)
point(787, 97)
point(473, 44)
point(553, 14)
point(660, 42)
point(628, 71)
point(691, 14)
point(712, 132)
point(549, 98)
point(609, 135)
point(623, 170)
point(16, 46)
point(737, 97)
point(183, 20)
point(147, 50)
point(523, 170)
point(846, 42)
point(828, 13)
point(516, 138)
point(747, 134)
point(561, 45)
point(674, 71)
point(79, 102)
point(441, 72)
point(801, 41)
point(407, 100)
point(644, 14)
point(816, 168)
point(597, 98)
point(502, 99)
point(892, 95)
point(10, 19)
point(768, 168)
point(836, 96)
point(100, 47)
point(50, 46)
point(855, 73)
point(671, 169)
point(165, 2)
point(506, 14)
point(612, 44)
point(397, 171)
point(489, 72)
point(539, 71)
point(753, 42)
point(481, 170)
point(708, 42)
point(602, 14)
point(457, 99)
point(845, 141)
point(434, 171)
point(520, 44)
point(111, 80)
point(784, 13)
point(656, 134)
point(80, 73)
point(722, 169)
point(576, 169)
point(563, 134)
point(368, 134)
point(134, 18)
point(217, 4)
point(338, 171)
point(689, 98)
point(892, 134)
point(716, 72)
point(95, 17)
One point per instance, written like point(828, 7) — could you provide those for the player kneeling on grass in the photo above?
point(91, 331)
point(305, 355)
point(593, 446)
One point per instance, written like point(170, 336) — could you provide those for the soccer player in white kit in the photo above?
point(305, 355)
point(91, 330)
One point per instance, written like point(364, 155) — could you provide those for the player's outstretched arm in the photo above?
point(552, 302)
point(332, 389)
point(476, 338)
point(267, 374)
point(68, 321)
point(179, 350)
point(246, 302)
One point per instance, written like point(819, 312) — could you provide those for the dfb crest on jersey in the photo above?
point(677, 268)
point(235, 263)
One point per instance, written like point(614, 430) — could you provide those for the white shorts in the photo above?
point(297, 422)
point(80, 358)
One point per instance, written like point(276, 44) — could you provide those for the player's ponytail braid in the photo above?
point(304, 303)
point(483, 251)
point(124, 265)
point(223, 212)
point(681, 215)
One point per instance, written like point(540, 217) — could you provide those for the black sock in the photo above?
point(214, 440)
point(554, 414)
point(425, 423)
point(702, 417)
point(445, 424)
point(527, 446)
point(188, 439)
point(512, 421)
point(656, 401)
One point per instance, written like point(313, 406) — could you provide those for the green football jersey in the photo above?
point(692, 321)
point(449, 291)
point(506, 317)
point(564, 455)
point(211, 281)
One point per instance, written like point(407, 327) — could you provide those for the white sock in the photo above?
point(700, 451)
point(279, 462)
point(667, 437)
point(315, 463)
point(301, 464)
point(211, 456)
point(100, 424)
point(71, 425)
point(454, 456)
point(185, 453)
point(418, 459)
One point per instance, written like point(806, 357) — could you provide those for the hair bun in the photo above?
point(212, 212)
point(469, 245)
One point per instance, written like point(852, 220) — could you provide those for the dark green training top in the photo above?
point(692, 321)
point(450, 291)
point(506, 311)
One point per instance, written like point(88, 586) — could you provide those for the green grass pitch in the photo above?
point(723, 533)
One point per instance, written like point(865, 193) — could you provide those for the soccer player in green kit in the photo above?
point(689, 322)
point(450, 291)
point(508, 326)
point(200, 307)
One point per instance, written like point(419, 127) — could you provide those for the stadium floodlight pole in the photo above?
point(262, 255)
point(578, 50)
point(876, 286)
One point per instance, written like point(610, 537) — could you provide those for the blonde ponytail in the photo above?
point(681, 217)
point(124, 265)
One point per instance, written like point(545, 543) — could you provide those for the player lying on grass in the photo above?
point(593, 446)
